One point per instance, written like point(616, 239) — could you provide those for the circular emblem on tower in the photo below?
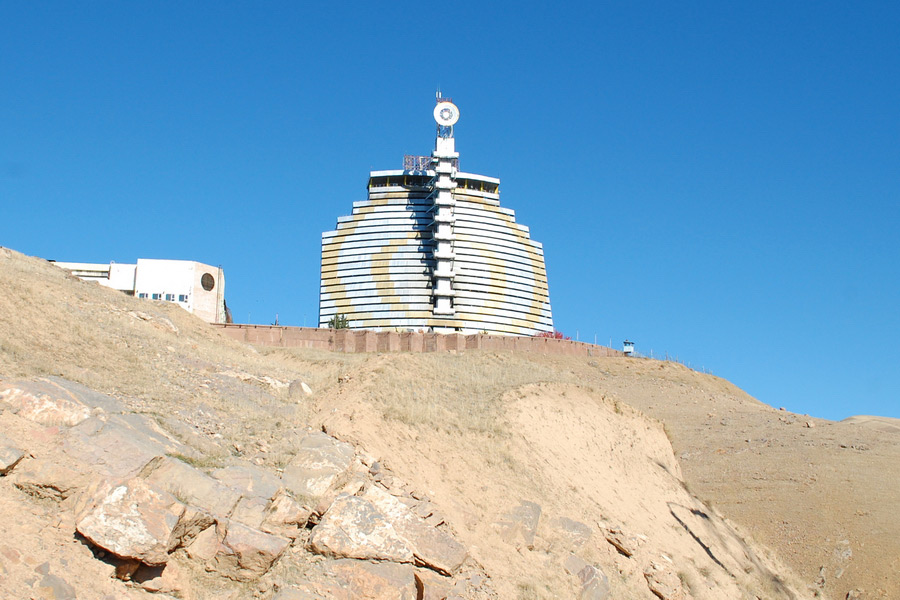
point(446, 114)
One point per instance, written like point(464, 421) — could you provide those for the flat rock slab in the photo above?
point(519, 526)
point(43, 402)
point(246, 553)
point(251, 481)
point(376, 581)
point(191, 485)
point(575, 533)
point(55, 401)
point(353, 528)
point(148, 428)
point(52, 587)
point(119, 446)
point(594, 583)
point(133, 521)
point(318, 463)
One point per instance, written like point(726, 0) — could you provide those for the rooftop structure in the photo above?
point(432, 249)
point(196, 287)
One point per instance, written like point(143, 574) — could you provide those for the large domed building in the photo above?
point(432, 249)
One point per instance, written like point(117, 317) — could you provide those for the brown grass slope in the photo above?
point(481, 431)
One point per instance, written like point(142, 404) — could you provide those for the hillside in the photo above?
point(485, 475)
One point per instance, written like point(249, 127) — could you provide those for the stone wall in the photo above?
point(349, 340)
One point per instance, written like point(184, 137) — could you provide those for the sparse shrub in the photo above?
point(339, 321)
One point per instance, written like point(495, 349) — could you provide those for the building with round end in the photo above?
point(432, 249)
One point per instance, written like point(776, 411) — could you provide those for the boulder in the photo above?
point(376, 581)
point(133, 521)
point(317, 465)
point(246, 553)
point(519, 526)
point(299, 389)
point(191, 485)
point(354, 528)
point(432, 547)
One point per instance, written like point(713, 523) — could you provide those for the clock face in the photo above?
point(446, 114)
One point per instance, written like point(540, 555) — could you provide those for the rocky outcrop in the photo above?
point(140, 504)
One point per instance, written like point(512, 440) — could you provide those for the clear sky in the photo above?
point(718, 181)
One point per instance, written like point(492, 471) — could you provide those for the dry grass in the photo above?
point(456, 393)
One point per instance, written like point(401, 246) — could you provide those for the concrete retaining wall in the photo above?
point(351, 340)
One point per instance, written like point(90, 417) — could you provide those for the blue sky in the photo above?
point(717, 181)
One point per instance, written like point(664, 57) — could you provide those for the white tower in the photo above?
point(444, 159)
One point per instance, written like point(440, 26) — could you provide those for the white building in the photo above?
point(196, 287)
